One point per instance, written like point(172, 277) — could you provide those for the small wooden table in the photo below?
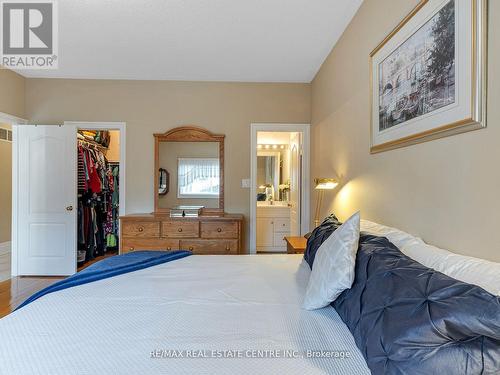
point(295, 245)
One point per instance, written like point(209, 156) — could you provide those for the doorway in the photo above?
point(47, 195)
point(6, 160)
point(279, 185)
point(98, 187)
point(100, 209)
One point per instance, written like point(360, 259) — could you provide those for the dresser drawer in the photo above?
point(282, 225)
point(136, 229)
point(219, 229)
point(180, 229)
point(211, 247)
point(134, 244)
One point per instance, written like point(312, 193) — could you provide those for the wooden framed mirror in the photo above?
point(194, 159)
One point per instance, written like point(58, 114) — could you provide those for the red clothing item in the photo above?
point(95, 181)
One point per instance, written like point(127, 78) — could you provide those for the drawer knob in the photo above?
point(219, 230)
point(140, 229)
point(131, 249)
point(191, 248)
point(228, 248)
point(179, 230)
point(169, 248)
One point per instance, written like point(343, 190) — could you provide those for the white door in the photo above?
point(295, 183)
point(47, 200)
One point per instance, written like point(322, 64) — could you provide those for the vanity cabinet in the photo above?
point(273, 225)
point(209, 235)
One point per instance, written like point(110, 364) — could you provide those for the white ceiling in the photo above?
point(198, 40)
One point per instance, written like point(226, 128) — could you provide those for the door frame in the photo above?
point(14, 121)
point(305, 212)
point(121, 126)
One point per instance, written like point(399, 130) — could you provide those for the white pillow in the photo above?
point(333, 267)
point(399, 238)
point(471, 270)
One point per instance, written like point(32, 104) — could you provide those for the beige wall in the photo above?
point(5, 188)
point(155, 106)
point(446, 191)
point(12, 90)
point(169, 152)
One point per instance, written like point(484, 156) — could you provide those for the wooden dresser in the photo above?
point(207, 235)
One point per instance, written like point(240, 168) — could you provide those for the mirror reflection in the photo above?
point(272, 175)
point(194, 174)
point(163, 181)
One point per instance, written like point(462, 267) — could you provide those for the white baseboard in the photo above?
point(5, 248)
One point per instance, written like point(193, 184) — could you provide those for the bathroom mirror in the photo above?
point(193, 160)
point(272, 180)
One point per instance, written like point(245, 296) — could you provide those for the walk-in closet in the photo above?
point(98, 194)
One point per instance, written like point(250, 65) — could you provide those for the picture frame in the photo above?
point(429, 75)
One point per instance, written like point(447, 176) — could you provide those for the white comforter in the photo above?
point(223, 308)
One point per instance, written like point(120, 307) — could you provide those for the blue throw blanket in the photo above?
point(110, 267)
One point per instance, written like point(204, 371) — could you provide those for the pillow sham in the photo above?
point(318, 236)
point(471, 270)
point(410, 319)
point(333, 269)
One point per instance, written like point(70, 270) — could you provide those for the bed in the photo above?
point(244, 315)
point(131, 323)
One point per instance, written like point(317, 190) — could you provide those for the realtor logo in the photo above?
point(29, 34)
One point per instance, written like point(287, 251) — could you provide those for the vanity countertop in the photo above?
point(276, 204)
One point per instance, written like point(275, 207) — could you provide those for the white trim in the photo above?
point(14, 122)
point(305, 129)
point(14, 271)
point(121, 126)
point(5, 248)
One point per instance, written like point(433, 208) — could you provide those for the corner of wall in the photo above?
point(12, 93)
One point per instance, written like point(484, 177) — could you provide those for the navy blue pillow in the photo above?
point(318, 236)
point(410, 319)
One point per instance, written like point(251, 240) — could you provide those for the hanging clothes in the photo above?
point(98, 217)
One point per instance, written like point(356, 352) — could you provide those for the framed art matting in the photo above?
point(428, 76)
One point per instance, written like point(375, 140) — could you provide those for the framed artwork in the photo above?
point(428, 76)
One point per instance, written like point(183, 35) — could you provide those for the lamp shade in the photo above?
point(326, 183)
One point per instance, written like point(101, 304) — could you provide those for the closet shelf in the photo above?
point(93, 144)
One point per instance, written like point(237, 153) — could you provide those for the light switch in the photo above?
point(245, 183)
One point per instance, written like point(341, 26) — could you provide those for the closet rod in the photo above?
point(92, 143)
